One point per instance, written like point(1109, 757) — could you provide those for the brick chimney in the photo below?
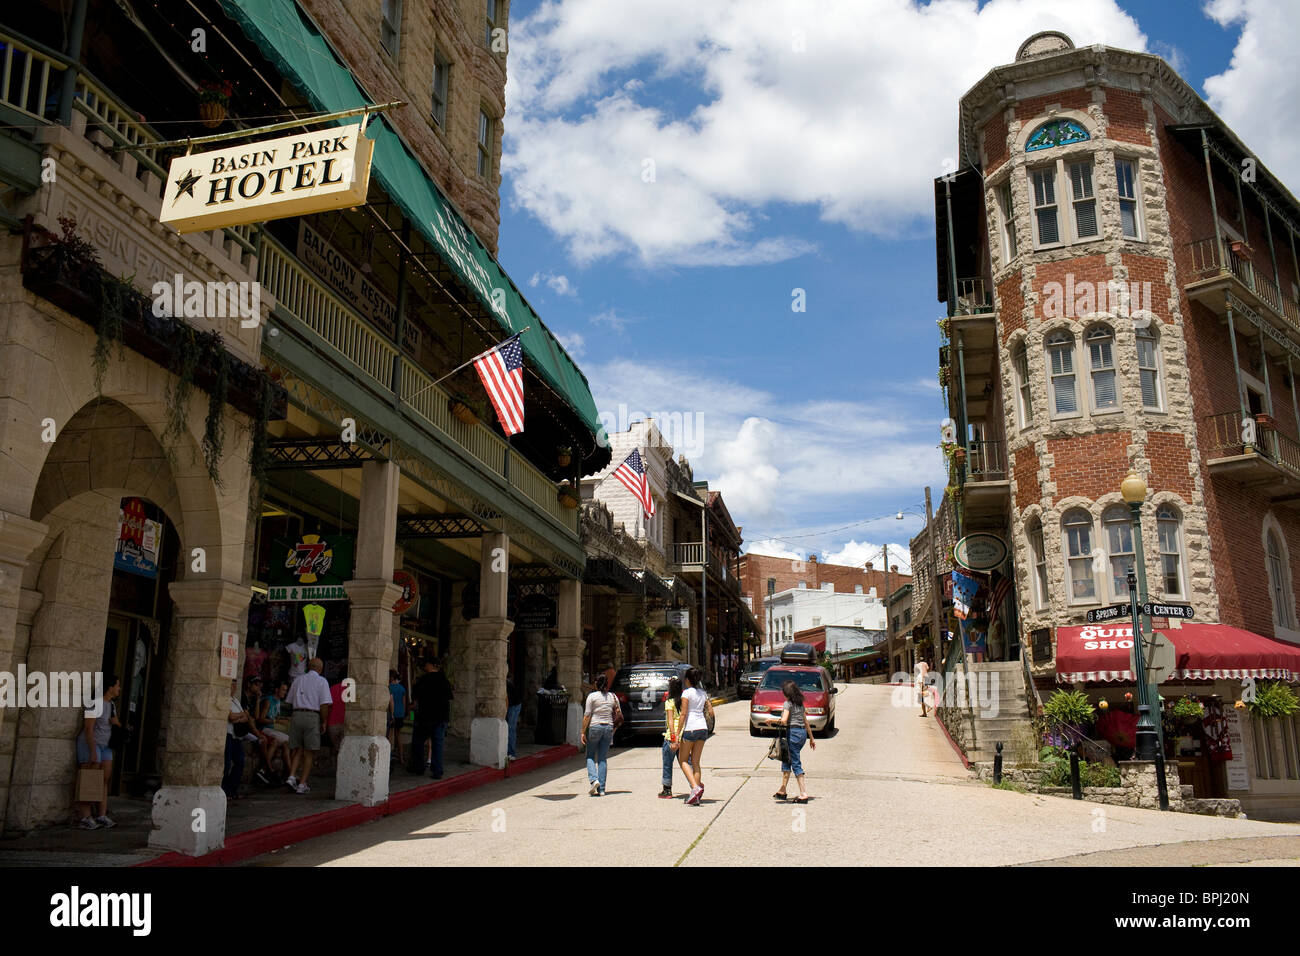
point(869, 567)
point(893, 569)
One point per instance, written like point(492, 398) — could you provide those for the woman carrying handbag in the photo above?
point(796, 733)
point(601, 718)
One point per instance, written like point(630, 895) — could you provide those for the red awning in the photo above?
point(818, 646)
point(1100, 652)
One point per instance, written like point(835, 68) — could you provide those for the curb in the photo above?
point(278, 835)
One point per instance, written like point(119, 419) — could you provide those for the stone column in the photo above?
point(362, 775)
point(18, 537)
point(67, 635)
point(189, 811)
point(487, 637)
point(569, 646)
point(28, 602)
point(459, 659)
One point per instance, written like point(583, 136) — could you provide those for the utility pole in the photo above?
point(934, 584)
point(889, 628)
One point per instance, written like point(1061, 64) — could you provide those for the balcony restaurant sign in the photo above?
point(289, 176)
point(980, 552)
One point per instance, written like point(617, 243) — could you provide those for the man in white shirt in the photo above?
point(309, 696)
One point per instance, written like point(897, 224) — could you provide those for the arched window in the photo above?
point(1061, 132)
point(1024, 402)
point(1279, 589)
point(1119, 546)
point(1077, 525)
point(1169, 530)
point(1034, 532)
point(1101, 365)
point(1149, 368)
point(1060, 369)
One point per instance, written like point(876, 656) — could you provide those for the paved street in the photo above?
point(887, 790)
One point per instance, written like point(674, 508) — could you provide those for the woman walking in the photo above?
point(672, 706)
point(692, 731)
point(598, 731)
point(797, 731)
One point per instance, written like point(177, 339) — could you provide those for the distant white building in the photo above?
point(798, 609)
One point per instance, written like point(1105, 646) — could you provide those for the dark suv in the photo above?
point(641, 690)
point(754, 671)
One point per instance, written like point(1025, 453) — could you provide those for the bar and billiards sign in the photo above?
point(289, 176)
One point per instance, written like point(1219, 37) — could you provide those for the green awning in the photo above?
point(293, 44)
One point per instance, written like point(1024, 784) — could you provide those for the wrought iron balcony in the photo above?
point(1230, 262)
point(1271, 463)
point(973, 297)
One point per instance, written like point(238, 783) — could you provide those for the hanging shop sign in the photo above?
point(980, 551)
point(313, 568)
point(353, 285)
point(410, 591)
point(270, 179)
point(680, 618)
point(138, 540)
point(536, 612)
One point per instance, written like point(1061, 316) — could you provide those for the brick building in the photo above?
point(1122, 290)
point(761, 574)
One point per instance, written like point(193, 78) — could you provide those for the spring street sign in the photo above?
point(1112, 612)
point(288, 176)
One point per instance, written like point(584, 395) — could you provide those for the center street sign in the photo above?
point(289, 176)
point(1156, 609)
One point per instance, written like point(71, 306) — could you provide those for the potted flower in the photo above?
point(1188, 710)
point(568, 495)
point(959, 455)
point(1273, 699)
point(1265, 423)
point(214, 99)
point(1240, 249)
point(669, 635)
point(465, 409)
point(563, 456)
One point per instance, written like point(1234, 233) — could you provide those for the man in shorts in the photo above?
point(309, 696)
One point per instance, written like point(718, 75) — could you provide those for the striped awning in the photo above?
point(1100, 653)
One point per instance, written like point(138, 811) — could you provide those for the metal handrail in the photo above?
point(973, 297)
point(1217, 258)
point(984, 459)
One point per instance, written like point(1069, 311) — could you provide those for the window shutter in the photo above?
point(1047, 231)
point(1063, 388)
point(1150, 397)
point(1103, 384)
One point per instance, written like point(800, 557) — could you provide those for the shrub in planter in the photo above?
point(1068, 707)
point(1273, 699)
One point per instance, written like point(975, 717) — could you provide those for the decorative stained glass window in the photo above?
point(1056, 133)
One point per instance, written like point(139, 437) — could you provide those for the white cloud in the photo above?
point(854, 125)
point(1257, 94)
point(573, 343)
point(611, 318)
point(858, 553)
point(781, 465)
point(774, 549)
point(559, 284)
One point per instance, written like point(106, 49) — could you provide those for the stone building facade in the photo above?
point(1123, 297)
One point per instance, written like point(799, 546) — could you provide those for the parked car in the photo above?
point(753, 675)
point(799, 654)
point(818, 698)
point(641, 690)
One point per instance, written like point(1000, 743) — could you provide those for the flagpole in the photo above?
point(464, 365)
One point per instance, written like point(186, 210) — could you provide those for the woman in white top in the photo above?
point(692, 731)
point(598, 731)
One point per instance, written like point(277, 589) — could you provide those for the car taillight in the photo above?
point(664, 697)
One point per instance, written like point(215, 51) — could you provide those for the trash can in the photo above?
point(552, 718)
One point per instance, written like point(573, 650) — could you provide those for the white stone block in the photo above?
point(189, 820)
point(488, 737)
point(362, 774)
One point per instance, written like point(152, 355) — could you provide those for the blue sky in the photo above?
point(674, 171)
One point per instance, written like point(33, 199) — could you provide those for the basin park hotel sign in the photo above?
point(270, 179)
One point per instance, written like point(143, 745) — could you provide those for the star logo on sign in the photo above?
point(186, 185)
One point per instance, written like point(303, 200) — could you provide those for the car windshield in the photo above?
point(804, 680)
point(757, 667)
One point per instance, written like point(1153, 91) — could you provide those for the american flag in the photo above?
point(502, 372)
point(633, 475)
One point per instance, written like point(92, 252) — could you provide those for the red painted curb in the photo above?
point(276, 835)
point(957, 750)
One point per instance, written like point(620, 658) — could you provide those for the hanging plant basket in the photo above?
point(959, 455)
point(563, 457)
point(212, 113)
point(568, 497)
point(214, 101)
point(463, 410)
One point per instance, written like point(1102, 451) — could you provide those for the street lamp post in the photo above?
point(1150, 743)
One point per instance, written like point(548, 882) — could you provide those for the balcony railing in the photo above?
point(31, 81)
point(973, 297)
point(1222, 436)
point(350, 336)
point(985, 460)
point(1210, 258)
